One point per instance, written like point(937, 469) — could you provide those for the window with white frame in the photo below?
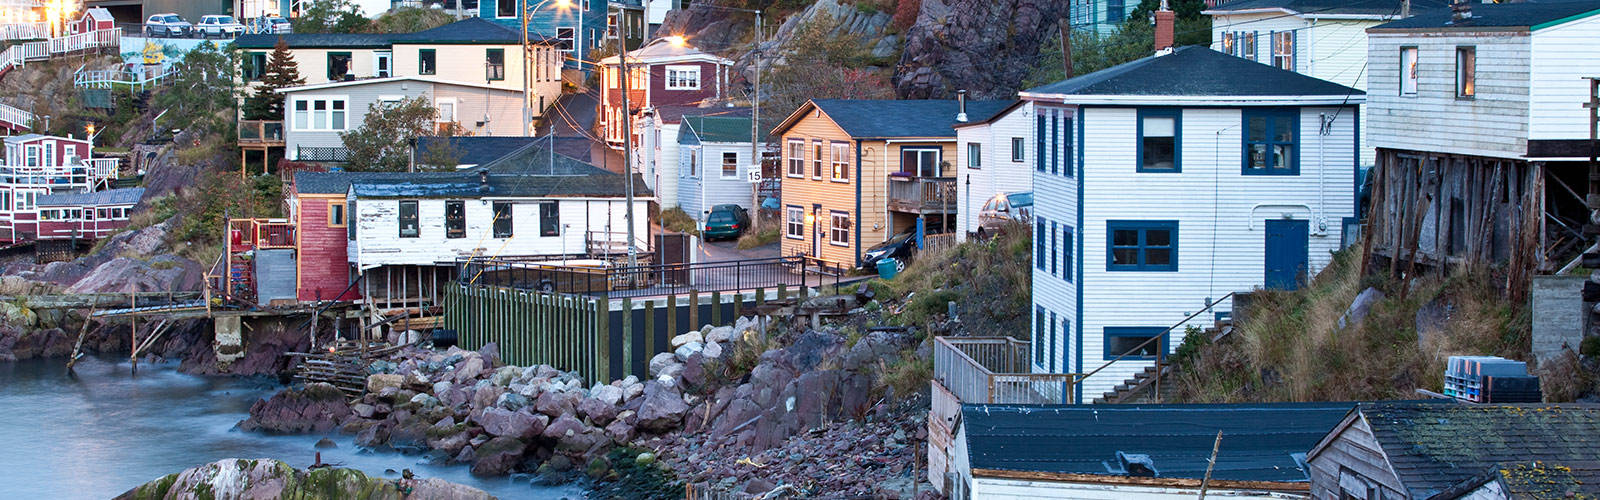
point(319, 114)
point(1408, 71)
point(794, 226)
point(1283, 50)
point(1017, 152)
point(505, 8)
point(1466, 71)
point(841, 161)
point(974, 155)
point(447, 110)
point(683, 78)
point(797, 158)
point(839, 228)
point(565, 38)
point(31, 155)
point(381, 64)
point(730, 165)
point(816, 159)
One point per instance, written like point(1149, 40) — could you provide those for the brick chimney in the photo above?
point(1164, 20)
point(1460, 10)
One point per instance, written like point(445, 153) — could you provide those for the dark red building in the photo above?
point(665, 72)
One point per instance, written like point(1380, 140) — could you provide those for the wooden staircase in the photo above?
point(1142, 387)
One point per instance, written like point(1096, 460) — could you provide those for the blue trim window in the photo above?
point(1272, 142)
point(1053, 267)
point(1038, 245)
point(1066, 333)
point(1134, 245)
point(1051, 353)
point(1038, 331)
point(1038, 144)
point(1068, 242)
point(1055, 138)
point(1160, 143)
point(1067, 140)
point(1123, 339)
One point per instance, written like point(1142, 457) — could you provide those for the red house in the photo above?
point(320, 219)
point(85, 216)
point(37, 165)
point(665, 72)
point(94, 19)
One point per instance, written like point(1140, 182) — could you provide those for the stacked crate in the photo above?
point(1490, 379)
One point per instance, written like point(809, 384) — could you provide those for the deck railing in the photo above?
point(260, 131)
point(103, 168)
point(245, 234)
point(17, 117)
point(996, 370)
point(596, 277)
point(922, 194)
point(111, 37)
point(24, 31)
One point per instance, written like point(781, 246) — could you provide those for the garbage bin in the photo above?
point(888, 268)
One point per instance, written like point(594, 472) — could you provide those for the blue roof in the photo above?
point(472, 150)
point(1528, 15)
point(881, 118)
point(124, 196)
point(472, 30)
point(1205, 72)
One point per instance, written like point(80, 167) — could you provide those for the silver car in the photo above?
point(270, 25)
point(1003, 209)
point(167, 25)
point(218, 26)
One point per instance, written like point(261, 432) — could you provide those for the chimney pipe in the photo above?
point(483, 178)
point(1460, 10)
point(1164, 20)
point(961, 101)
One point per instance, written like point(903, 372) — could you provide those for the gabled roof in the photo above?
point(468, 184)
point(1208, 78)
point(1512, 16)
point(662, 50)
point(1348, 9)
point(472, 150)
point(99, 14)
point(1259, 441)
point(314, 40)
point(124, 196)
point(1433, 446)
point(18, 139)
point(887, 119)
point(718, 128)
point(373, 81)
point(996, 116)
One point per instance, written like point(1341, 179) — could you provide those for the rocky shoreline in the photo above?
point(267, 478)
point(722, 411)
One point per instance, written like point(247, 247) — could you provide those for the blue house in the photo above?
point(577, 26)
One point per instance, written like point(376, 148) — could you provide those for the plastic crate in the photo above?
point(1469, 378)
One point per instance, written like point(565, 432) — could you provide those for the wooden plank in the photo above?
point(716, 308)
point(603, 339)
point(694, 309)
point(649, 331)
point(627, 336)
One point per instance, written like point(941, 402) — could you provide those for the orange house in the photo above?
point(856, 172)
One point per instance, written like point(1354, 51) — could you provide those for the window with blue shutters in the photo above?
point(1055, 137)
point(1068, 243)
point(1066, 345)
point(1038, 244)
point(1038, 144)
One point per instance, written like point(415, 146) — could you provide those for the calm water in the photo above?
point(105, 432)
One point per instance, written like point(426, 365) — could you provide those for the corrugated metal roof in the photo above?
point(718, 128)
point(1205, 73)
point(1259, 441)
point(124, 196)
point(1432, 446)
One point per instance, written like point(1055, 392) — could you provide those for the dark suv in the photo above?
point(726, 221)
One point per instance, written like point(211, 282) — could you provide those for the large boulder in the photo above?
point(498, 456)
point(660, 362)
point(468, 370)
point(557, 403)
point(318, 407)
point(681, 340)
point(376, 383)
point(611, 395)
point(519, 424)
point(262, 478)
point(661, 410)
point(597, 411)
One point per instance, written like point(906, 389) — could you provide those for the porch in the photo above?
point(922, 195)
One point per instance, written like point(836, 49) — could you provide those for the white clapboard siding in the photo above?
point(1056, 204)
point(997, 173)
point(1494, 123)
point(689, 185)
point(378, 241)
point(658, 158)
point(716, 189)
point(1263, 25)
point(1221, 237)
point(1563, 55)
point(479, 111)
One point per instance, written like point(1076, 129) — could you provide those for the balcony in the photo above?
point(922, 195)
point(250, 234)
point(261, 133)
point(978, 370)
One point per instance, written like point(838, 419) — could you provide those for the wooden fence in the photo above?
point(601, 338)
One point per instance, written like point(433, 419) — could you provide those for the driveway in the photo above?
point(726, 250)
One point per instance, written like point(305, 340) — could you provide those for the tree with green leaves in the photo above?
point(332, 16)
point(266, 103)
point(203, 92)
point(1133, 40)
point(410, 20)
point(383, 141)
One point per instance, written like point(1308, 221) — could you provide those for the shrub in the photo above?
point(1590, 346)
point(763, 238)
point(676, 220)
point(905, 14)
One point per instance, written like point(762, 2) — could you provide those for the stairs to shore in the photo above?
point(1148, 385)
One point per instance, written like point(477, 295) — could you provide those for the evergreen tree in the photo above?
point(281, 72)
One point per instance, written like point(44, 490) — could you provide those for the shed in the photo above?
point(1100, 451)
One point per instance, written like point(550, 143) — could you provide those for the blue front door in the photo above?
point(1287, 253)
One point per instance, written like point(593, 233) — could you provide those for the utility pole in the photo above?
point(627, 143)
point(527, 94)
point(755, 129)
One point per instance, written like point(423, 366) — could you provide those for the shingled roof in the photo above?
point(1205, 73)
point(315, 40)
point(1517, 16)
point(339, 182)
point(472, 149)
point(1434, 446)
point(1378, 9)
point(124, 196)
point(469, 184)
point(1259, 441)
point(884, 118)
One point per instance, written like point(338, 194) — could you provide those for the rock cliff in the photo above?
point(983, 46)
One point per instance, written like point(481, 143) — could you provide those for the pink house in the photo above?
point(38, 165)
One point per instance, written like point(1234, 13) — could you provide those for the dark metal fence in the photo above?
point(598, 278)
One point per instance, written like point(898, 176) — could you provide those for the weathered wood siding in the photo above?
point(804, 191)
point(1353, 452)
point(1562, 56)
point(997, 173)
point(378, 242)
point(1219, 211)
point(1493, 123)
point(321, 264)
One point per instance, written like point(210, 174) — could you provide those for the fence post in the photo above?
point(602, 313)
point(672, 316)
point(761, 297)
point(627, 335)
point(694, 309)
point(649, 333)
point(716, 308)
point(783, 291)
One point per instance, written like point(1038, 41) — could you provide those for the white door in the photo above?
point(380, 64)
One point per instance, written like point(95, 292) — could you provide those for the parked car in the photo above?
point(272, 25)
point(218, 26)
point(726, 221)
point(900, 246)
point(167, 25)
point(1004, 208)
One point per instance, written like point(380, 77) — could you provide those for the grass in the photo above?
point(676, 220)
point(766, 237)
point(1292, 349)
point(989, 280)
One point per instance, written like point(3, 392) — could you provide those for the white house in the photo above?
point(1323, 39)
point(658, 130)
point(315, 115)
point(993, 156)
point(521, 205)
point(1161, 195)
point(714, 164)
point(1488, 102)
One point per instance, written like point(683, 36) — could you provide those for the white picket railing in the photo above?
point(17, 56)
point(36, 51)
point(16, 116)
point(11, 58)
point(24, 31)
point(104, 79)
point(103, 168)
